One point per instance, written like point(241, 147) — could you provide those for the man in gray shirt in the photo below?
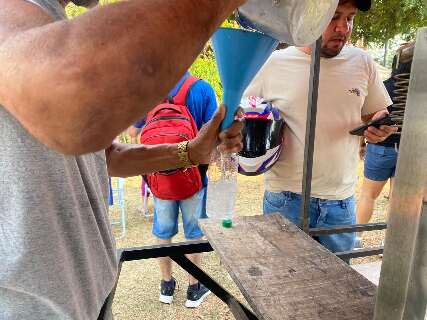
point(68, 88)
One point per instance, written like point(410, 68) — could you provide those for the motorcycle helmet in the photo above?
point(262, 136)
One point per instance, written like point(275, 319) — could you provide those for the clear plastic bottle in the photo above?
point(222, 187)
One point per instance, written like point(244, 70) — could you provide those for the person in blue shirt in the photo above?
point(202, 104)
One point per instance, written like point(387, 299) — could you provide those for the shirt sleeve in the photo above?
point(140, 124)
point(377, 98)
point(210, 102)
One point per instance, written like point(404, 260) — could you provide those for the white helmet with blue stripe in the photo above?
point(262, 136)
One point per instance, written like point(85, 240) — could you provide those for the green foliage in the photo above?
point(73, 10)
point(377, 51)
point(230, 23)
point(205, 68)
point(389, 18)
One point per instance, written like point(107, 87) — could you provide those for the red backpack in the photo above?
point(171, 122)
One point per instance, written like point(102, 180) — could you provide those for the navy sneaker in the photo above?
point(167, 288)
point(196, 293)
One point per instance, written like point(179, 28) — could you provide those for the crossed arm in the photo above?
point(75, 85)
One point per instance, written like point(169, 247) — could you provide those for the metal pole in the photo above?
point(406, 199)
point(239, 311)
point(415, 307)
point(310, 132)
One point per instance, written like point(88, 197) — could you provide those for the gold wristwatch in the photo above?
point(183, 155)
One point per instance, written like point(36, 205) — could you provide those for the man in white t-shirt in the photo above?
point(350, 91)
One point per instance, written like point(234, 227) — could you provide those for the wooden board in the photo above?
point(284, 274)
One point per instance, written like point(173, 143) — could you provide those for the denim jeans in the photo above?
point(380, 162)
point(323, 213)
point(165, 221)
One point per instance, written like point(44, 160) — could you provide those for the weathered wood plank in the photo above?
point(284, 274)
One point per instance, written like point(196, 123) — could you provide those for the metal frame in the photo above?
point(177, 253)
point(117, 190)
point(310, 133)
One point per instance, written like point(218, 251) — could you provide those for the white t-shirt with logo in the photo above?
point(350, 87)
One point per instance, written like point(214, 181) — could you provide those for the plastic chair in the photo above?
point(117, 198)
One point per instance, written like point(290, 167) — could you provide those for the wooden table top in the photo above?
point(285, 274)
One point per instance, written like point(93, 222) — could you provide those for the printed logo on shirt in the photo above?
point(355, 91)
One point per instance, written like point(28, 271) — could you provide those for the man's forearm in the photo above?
point(124, 160)
point(75, 85)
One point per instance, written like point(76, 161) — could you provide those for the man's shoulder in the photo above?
point(282, 57)
point(285, 53)
point(355, 52)
point(201, 84)
point(358, 58)
point(202, 87)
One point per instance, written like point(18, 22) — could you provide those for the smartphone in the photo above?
point(383, 120)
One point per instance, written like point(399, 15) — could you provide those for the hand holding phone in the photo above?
point(383, 120)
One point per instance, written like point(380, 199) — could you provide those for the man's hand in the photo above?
point(209, 137)
point(375, 135)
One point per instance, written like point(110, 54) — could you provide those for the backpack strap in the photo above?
point(181, 97)
point(162, 107)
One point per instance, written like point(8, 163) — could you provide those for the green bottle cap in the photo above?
point(227, 223)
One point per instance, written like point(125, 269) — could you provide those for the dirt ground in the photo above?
point(138, 288)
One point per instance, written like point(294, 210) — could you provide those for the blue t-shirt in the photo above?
point(201, 101)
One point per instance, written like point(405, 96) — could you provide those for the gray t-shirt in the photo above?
point(57, 253)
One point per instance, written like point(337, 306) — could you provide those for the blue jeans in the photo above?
point(165, 221)
point(323, 213)
point(380, 162)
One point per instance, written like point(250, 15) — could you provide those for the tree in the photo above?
point(389, 18)
point(73, 10)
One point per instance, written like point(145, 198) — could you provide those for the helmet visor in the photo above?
point(260, 135)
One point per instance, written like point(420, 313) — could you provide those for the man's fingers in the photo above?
point(377, 132)
point(372, 137)
point(375, 135)
point(380, 114)
point(212, 126)
point(230, 143)
point(240, 113)
point(232, 147)
point(389, 129)
point(235, 129)
point(219, 114)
